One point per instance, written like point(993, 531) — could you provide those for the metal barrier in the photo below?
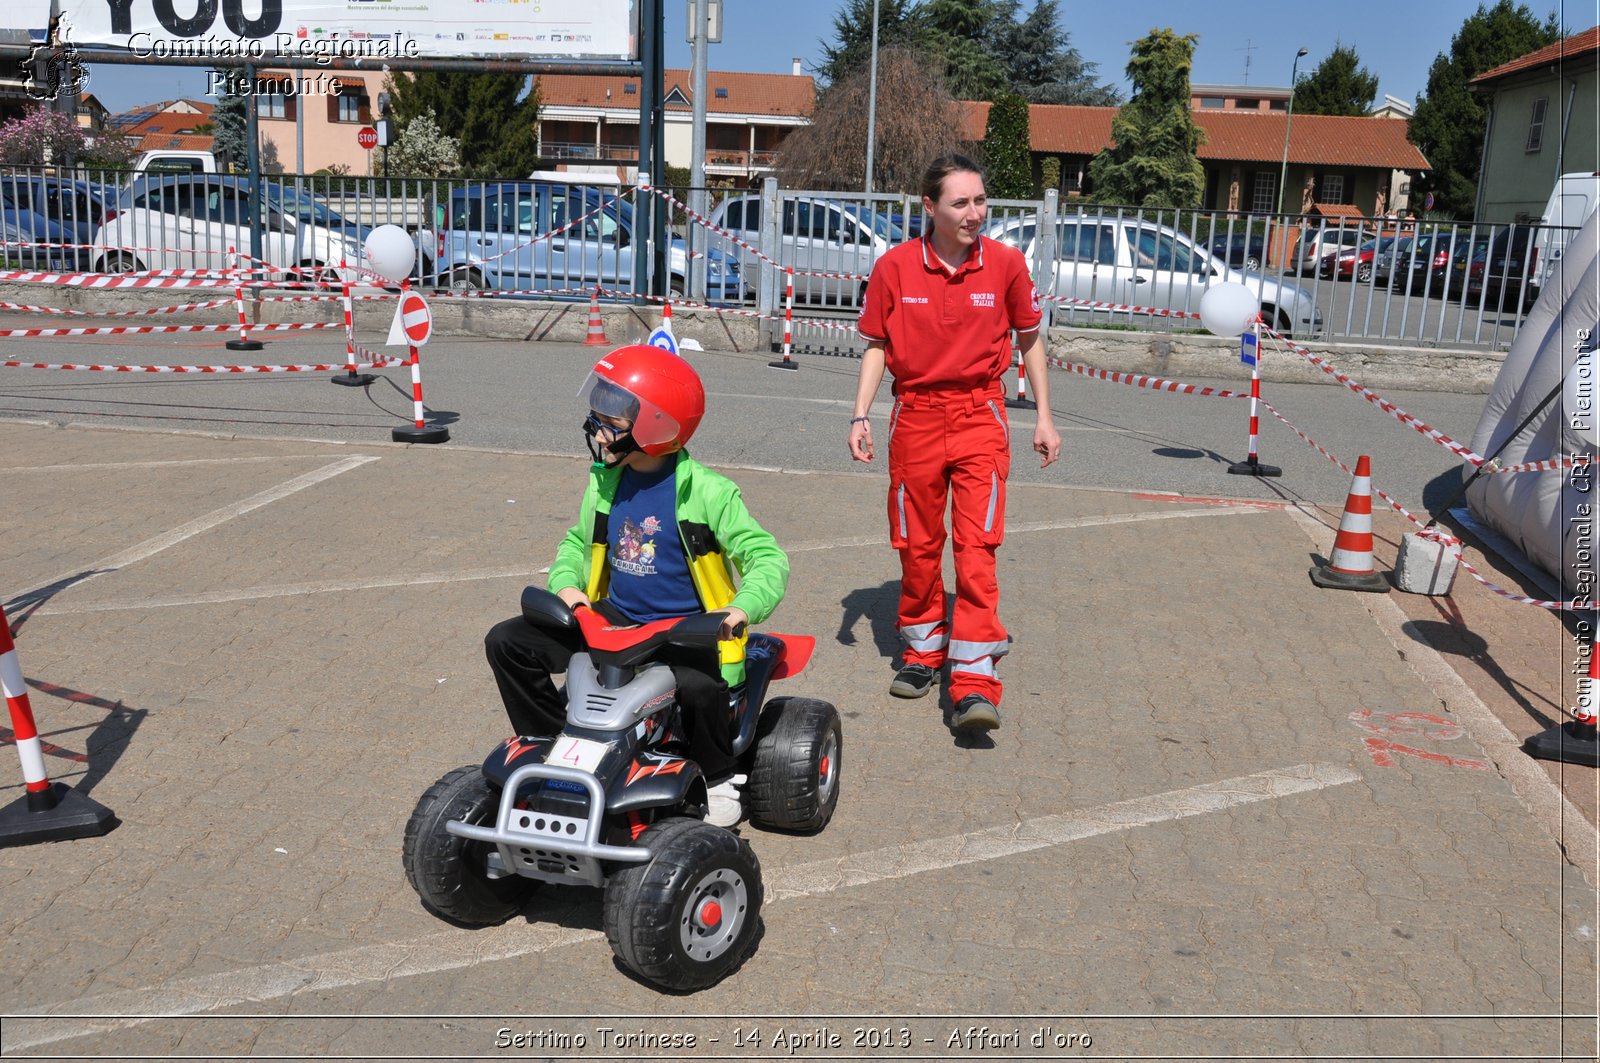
point(1329, 278)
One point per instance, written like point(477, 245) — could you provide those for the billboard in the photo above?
point(320, 31)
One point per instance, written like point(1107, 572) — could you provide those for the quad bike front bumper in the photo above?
point(546, 846)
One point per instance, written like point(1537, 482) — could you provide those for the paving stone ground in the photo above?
point(1228, 814)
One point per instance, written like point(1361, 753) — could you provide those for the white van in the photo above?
point(1571, 202)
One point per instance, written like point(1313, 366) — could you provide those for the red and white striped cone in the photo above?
point(351, 378)
point(1577, 741)
point(1021, 401)
point(1351, 566)
point(47, 811)
point(244, 342)
point(597, 326)
point(788, 322)
point(1251, 465)
point(421, 431)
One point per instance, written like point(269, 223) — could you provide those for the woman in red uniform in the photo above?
point(938, 314)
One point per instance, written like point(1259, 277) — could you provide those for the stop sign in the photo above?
point(367, 137)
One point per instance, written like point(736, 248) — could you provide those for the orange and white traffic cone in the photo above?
point(1351, 567)
point(597, 327)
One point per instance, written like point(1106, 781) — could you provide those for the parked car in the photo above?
point(830, 243)
point(1416, 263)
point(1496, 276)
point(1467, 248)
point(188, 221)
point(526, 235)
point(73, 209)
point(1357, 262)
point(1317, 244)
point(1240, 250)
point(1129, 261)
point(21, 234)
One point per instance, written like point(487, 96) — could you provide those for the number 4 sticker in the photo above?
point(577, 753)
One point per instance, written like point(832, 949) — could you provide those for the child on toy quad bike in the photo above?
point(658, 536)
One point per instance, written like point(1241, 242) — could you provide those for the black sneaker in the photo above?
point(976, 713)
point(913, 681)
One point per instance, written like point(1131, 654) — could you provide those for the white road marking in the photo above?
point(457, 950)
point(1022, 527)
point(188, 530)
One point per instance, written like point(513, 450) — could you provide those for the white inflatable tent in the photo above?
point(1549, 515)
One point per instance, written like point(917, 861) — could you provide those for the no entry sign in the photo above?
point(413, 322)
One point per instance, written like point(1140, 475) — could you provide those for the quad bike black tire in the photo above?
point(794, 782)
point(689, 916)
point(450, 873)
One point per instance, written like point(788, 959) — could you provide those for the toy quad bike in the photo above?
point(612, 802)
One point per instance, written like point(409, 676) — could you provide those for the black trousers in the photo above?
point(524, 658)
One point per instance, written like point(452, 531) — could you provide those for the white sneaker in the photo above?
point(725, 803)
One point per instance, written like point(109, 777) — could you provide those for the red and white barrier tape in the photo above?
point(26, 308)
point(1139, 380)
point(161, 279)
point(146, 330)
point(375, 361)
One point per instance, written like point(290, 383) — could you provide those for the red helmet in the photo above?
point(659, 391)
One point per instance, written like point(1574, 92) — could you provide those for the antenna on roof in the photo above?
point(1249, 46)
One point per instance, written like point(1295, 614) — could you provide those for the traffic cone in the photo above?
point(1351, 567)
point(597, 327)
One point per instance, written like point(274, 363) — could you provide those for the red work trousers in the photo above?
point(951, 446)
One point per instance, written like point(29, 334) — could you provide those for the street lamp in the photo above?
point(872, 97)
point(1283, 172)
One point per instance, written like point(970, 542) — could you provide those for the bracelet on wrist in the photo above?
point(860, 420)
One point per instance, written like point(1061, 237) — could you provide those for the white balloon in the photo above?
point(1228, 309)
point(390, 252)
point(1580, 392)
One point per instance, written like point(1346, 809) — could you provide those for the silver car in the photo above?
point(1128, 261)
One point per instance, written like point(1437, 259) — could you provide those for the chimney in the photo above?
point(796, 67)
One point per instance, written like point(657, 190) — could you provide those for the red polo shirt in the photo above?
point(947, 330)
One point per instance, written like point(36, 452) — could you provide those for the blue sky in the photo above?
point(1239, 42)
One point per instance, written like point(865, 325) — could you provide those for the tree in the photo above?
point(228, 120)
point(959, 31)
point(425, 150)
point(492, 116)
point(1152, 161)
point(44, 135)
point(1007, 155)
point(1042, 66)
point(852, 29)
point(1449, 122)
point(917, 122)
point(1339, 85)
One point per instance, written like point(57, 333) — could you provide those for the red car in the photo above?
point(1355, 261)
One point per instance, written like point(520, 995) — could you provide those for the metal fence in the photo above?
point(1343, 278)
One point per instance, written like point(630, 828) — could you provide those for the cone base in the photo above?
point(597, 341)
point(1251, 467)
point(244, 345)
point(1571, 742)
point(1333, 579)
point(428, 433)
point(783, 363)
point(355, 380)
point(1021, 404)
point(72, 816)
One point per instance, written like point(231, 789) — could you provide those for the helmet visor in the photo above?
point(651, 424)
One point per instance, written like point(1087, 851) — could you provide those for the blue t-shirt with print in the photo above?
point(649, 569)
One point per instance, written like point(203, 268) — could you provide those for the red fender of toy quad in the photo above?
point(796, 654)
